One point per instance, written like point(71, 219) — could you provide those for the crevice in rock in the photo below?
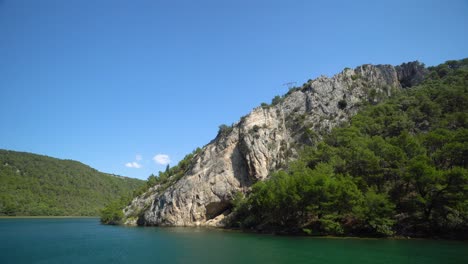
point(214, 209)
point(240, 167)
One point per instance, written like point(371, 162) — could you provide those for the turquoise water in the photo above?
point(86, 241)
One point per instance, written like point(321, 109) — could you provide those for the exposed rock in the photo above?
point(138, 206)
point(263, 141)
point(411, 73)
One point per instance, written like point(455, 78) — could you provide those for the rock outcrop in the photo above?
point(263, 141)
point(411, 73)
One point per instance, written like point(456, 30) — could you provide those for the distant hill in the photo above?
point(32, 184)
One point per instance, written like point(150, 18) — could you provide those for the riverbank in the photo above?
point(348, 236)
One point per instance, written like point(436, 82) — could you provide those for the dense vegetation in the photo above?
point(398, 168)
point(113, 212)
point(32, 184)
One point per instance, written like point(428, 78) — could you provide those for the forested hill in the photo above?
point(36, 185)
point(399, 168)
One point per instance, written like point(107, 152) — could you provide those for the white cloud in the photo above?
point(138, 157)
point(162, 159)
point(134, 164)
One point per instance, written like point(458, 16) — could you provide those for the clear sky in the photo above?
point(114, 83)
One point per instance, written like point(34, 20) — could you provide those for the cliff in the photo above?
point(263, 141)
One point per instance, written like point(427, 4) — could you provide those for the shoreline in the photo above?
point(295, 235)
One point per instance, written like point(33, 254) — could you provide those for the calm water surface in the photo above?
point(86, 241)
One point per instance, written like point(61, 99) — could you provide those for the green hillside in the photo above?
point(36, 185)
point(399, 168)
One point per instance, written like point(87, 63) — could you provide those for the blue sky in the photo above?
point(115, 83)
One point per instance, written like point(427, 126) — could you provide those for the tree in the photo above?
point(376, 213)
point(276, 100)
point(112, 214)
point(151, 181)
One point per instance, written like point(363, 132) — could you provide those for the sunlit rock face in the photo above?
point(263, 141)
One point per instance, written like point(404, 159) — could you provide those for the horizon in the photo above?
point(128, 88)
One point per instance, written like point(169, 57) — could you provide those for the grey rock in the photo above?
point(261, 142)
point(411, 73)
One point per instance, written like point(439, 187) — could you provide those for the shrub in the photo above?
point(276, 100)
point(355, 77)
point(224, 129)
point(112, 214)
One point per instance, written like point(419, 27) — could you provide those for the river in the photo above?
point(85, 240)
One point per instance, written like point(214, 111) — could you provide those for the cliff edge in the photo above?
point(264, 141)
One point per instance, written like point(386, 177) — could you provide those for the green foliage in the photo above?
point(355, 77)
point(224, 129)
point(171, 174)
point(400, 167)
point(294, 89)
point(376, 213)
point(112, 214)
point(31, 184)
point(276, 100)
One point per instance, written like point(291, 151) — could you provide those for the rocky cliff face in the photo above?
point(263, 141)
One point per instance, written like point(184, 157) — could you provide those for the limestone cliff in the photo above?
point(263, 141)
